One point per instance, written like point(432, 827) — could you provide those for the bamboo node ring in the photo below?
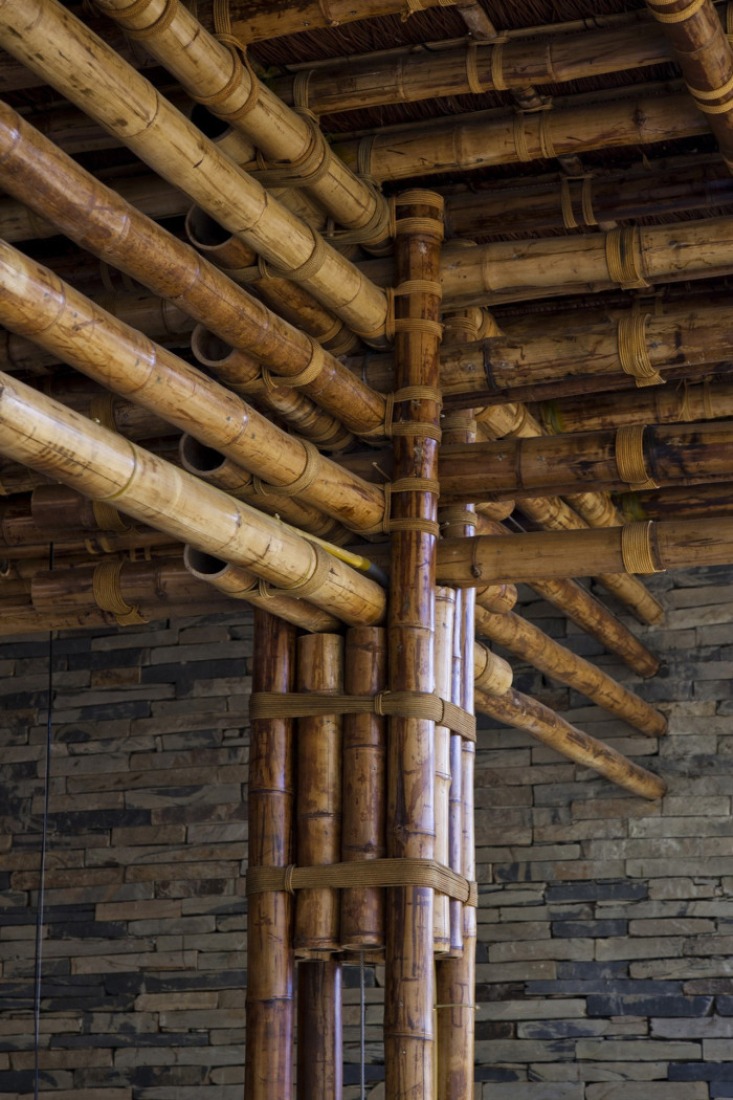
point(630, 457)
point(637, 552)
point(108, 595)
point(632, 349)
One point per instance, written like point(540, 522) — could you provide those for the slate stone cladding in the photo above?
point(606, 934)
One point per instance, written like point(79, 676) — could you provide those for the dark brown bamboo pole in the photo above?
point(701, 48)
point(531, 644)
point(364, 782)
point(703, 500)
point(58, 46)
point(214, 75)
point(240, 584)
point(39, 304)
point(523, 712)
point(319, 797)
point(656, 405)
point(609, 459)
point(270, 961)
point(263, 19)
point(484, 140)
point(445, 612)
point(409, 1000)
point(41, 433)
point(320, 1059)
point(668, 544)
point(474, 67)
point(101, 221)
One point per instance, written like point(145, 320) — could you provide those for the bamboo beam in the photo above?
point(270, 961)
point(213, 74)
point(708, 400)
point(39, 304)
point(679, 544)
point(262, 19)
point(50, 40)
point(410, 74)
point(101, 221)
point(704, 501)
point(487, 139)
point(523, 712)
point(668, 454)
point(43, 434)
point(531, 644)
point(409, 999)
point(701, 48)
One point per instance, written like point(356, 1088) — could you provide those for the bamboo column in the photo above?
point(445, 614)
point(409, 999)
point(50, 40)
point(270, 961)
point(318, 841)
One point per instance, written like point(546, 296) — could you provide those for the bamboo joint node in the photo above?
point(637, 551)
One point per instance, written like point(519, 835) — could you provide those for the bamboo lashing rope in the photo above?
point(306, 170)
point(702, 96)
point(632, 349)
point(497, 67)
point(547, 147)
point(108, 595)
point(312, 265)
point(630, 458)
point(367, 872)
point(316, 578)
point(396, 704)
point(623, 258)
point(472, 77)
point(413, 6)
point(107, 518)
point(520, 138)
point(676, 16)
point(304, 480)
point(566, 205)
point(161, 24)
point(308, 374)
point(586, 201)
point(637, 552)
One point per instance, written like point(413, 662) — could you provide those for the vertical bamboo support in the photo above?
point(320, 1062)
point(445, 608)
point(269, 1068)
point(409, 999)
point(318, 806)
point(364, 753)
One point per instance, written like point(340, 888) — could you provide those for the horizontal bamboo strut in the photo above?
point(703, 501)
point(50, 40)
point(43, 434)
point(97, 218)
point(663, 405)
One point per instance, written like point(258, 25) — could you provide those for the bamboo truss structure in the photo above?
point(247, 358)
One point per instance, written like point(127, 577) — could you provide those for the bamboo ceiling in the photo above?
point(299, 296)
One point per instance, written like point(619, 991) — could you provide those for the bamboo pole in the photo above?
point(523, 712)
point(609, 459)
point(240, 584)
point(262, 19)
point(318, 803)
point(409, 999)
point(704, 501)
point(410, 74)
point(39, 304)
point(58, 46)
point(320, 1071)
point(364, 779)
point(270, 962)
point(487, 139)
point(656, 405)
point(101, 221)
point(701, 48)
point(213, 74)
point(445, 611)
point(531, 644)
point(634, 548)
point(43, 434)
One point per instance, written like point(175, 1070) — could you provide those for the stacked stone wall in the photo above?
point(606, 934)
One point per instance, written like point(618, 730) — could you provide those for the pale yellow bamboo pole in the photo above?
point(633, 548)
point(97, 218)
point(50, 40)
point(473, 67)
point(43, 434)
point(37, 303)
point(700, 46)
point(214, 75)
point(484, 140)
point(523, 712)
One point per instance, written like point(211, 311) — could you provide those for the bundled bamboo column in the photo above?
point(270, 961)
point(318, 841)
point(409, 1000)
point(54, 43)
point(364, 783)
point(97, 218)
